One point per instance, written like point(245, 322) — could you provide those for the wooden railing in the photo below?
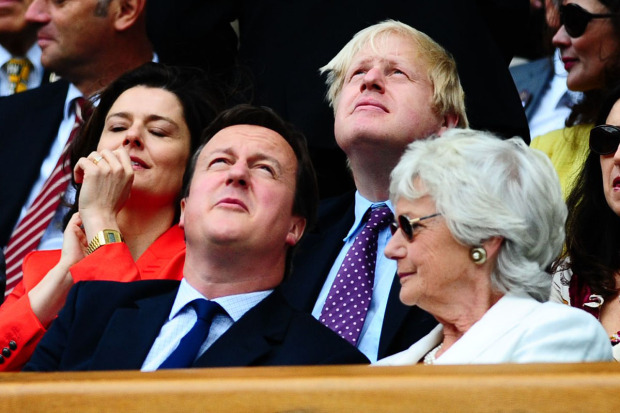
point(499, 388)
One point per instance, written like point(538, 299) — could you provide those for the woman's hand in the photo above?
point(106, 179)
point(74, 244)
point(49, 295)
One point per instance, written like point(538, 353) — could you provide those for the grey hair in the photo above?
point(448, 95)
point(487, 187)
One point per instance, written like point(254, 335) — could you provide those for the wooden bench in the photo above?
point(498, 388)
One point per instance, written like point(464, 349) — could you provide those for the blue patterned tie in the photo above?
point(349, 297)
point(185, 354)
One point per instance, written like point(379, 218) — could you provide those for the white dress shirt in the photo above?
point(555, 104)
point(183, 317)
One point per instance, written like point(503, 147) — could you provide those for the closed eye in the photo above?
point(267, 168)
point(158, 132)
point(218, 163)
point(117, 128)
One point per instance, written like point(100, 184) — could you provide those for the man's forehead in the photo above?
point(250, 139)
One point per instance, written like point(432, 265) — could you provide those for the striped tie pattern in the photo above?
point(28, 233)
point(18, 71)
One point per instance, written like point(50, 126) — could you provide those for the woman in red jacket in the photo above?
point(128, 166)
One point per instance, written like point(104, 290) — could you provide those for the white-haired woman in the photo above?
point(479, 221)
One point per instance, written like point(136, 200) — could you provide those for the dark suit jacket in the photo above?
point(402, 325)
point(29, 124)
point(112, 326)
point(532, 79)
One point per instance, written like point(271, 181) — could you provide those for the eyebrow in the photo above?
point(149, 118)
point(258, 156)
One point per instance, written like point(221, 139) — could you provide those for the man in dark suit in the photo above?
point(251, 192)
point(402, 87)
point(36, 124)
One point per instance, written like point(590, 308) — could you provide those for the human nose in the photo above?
point(395, 248)
point(238, 174)
point(561, 38)
point(133, 138)
point(373, 80)
point(37, 12)
point(617, 156)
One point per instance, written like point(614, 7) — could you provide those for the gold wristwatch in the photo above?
point(107, 236)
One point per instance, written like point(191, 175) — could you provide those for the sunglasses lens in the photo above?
point(393, 228)
point(405, 226)
point(604, 139)
point(574, 19)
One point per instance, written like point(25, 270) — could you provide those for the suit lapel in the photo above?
point(317, 253)
point(252, 337)
point(130, 333)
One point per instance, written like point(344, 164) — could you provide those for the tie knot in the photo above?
point(17, 66)
point(205, 310)
point(379, 218)
point(17, 70)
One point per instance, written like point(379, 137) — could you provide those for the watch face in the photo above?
point(110, 237)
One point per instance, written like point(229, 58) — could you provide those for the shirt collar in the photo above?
point(186, 294)
point(72, 94)
point(361, 206)
point(33, 54)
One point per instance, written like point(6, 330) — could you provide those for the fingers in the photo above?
point(75, 220)
point(116, 163)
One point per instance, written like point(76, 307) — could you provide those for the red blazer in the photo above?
point(164, 259)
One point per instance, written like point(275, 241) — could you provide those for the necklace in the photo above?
point(430, 356)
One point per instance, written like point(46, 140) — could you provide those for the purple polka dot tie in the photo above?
point(349, 297)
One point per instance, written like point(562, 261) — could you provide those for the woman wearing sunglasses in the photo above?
point(588, 276)
point(589, 42)
point(479, 220)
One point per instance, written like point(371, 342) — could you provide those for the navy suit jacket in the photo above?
point(402, 325)
point(29, 124)
point(112, 326)
point(532, 79)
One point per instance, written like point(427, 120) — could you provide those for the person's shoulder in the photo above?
point(563, 319)
point(553, 141)
point(58, 88)
point(116, 291)
point(332, 211)
point(553, 332)
point(531, 68)
point(48, 97)
point(323, 345)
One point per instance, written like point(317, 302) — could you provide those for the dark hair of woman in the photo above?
point(592, 228)
point(587, 109)
point(200, 98)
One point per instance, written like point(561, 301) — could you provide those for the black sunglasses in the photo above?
point(408, 225)
point(575, 19)
point(604, 139)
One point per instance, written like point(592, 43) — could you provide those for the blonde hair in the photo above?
point(448, 95)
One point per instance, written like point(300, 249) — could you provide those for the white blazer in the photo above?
point(518, 329)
